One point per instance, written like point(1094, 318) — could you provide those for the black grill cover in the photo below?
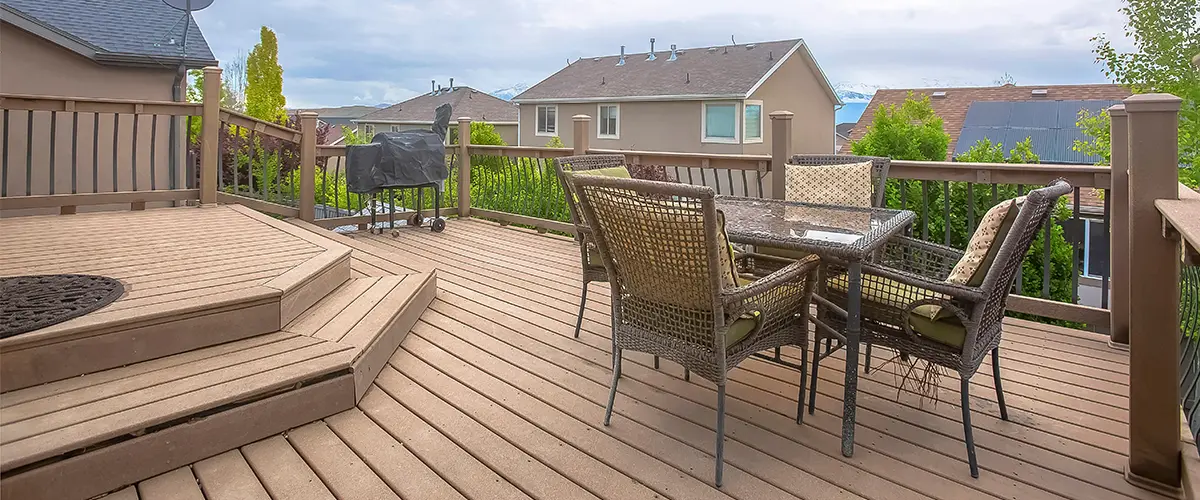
point(399, 159)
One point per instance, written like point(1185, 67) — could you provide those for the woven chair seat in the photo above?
point(885, 300)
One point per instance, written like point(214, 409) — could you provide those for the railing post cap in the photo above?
point(1116, 110)
point(781, 115)
point(212, 69)
point(464, 119)
point(309, 114)
point(581, 118)
point(1143, 103)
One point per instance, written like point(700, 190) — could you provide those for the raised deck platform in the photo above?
point(285, 336)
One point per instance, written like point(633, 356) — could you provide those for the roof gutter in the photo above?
point(425, 122)
point(143, 60)
point(681, 97)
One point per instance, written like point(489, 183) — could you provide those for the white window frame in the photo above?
point(395, 128)
point(537, 115)
point(746, 139)
point(600, 120)
point(704, 138)
point(1085, 269)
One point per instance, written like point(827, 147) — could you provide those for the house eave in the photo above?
point(645, 98)
point(426, 122)
point(148, 61)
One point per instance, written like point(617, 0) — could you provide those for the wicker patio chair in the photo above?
point(593, 268)
point(909, 305)
point(675, 292)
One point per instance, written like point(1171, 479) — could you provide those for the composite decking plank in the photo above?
point(807, 471)
point(364, 269)
point(539, 476)
point(228, 477)
point(282, 472)
point(127, 493)
point(178, 484)
point(192, 292)
point(77, 252)
point(375, 321)
point(670, 467)
point(346, 475)
point(458, 467)
point(358, 309)
point(317, 316)
point(355, 273)
point(65, 408)
point(208, 391)
point(395, 464)
point(21, 396)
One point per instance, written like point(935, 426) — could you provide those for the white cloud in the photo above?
point(349, 51)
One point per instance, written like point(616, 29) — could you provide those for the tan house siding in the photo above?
point(795, 86)
point(508, 132)
point(643, 126)
point(31, 65)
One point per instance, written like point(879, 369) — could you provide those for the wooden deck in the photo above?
point(489, 397)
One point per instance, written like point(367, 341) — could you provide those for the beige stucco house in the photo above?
point(418, 112)
point(116, 49)
point(708, 99)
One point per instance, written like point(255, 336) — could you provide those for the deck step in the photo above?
point(232, 274)
point(123, 425)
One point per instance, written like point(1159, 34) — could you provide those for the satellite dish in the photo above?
point(188, 5)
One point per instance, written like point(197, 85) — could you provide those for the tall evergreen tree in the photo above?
point(264, 80)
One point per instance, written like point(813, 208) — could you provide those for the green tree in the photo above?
point(1163, 33)
point(1095, 126)
point(555, 142)
point(911, 131)
point(351, 136)
point(264, 80)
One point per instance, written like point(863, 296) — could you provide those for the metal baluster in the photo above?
point(74, 152)
point(995, 195)
point(1076, 248)
point(4, 160)
point(729, 172)
point(1107, 267)
point(221, 161)
point(29, 153)
point(925, 210)
point(946, 212)
point(970, 209)
point(53, 149)
point(116, 134)
point(689, 171)
point(153, 142)
point(134, 155)
point(703, 181)
point(745, 185)
point(337, 172)
point(250, 166)
point(278, 177)
point(95, 152)
point(760, 188)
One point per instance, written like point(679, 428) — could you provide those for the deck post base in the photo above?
point(1173, 491)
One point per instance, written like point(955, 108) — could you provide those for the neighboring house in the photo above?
point(337, 118)
point(418, 112)
point(841, 135)
point(116, 49)
point(1008, 114)
point(708, 99)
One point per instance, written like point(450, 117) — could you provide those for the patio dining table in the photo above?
point(843, 235)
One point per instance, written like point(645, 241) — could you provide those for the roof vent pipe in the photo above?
point(621, 62)
point(452, 85)
point(432, 86)
point(674, 54)
point(651, 57)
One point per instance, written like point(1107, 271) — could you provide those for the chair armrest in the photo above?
point(919, 258)
point(802, 272)
point(960, 292)
point(758, 264)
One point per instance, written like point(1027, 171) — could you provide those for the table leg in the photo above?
point(853, 334)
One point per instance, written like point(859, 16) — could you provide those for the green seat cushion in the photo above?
point(949, 331)
point(741, 328)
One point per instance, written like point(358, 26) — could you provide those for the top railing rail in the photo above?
point(27, 102)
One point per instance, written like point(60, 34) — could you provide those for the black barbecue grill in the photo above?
point(396, 160)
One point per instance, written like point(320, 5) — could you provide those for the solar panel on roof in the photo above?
point(1050, 126)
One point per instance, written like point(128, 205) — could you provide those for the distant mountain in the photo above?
point(383, 105)
point(508, 93)
point(855, 96)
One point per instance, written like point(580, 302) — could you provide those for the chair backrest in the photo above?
point(567, 164)
point(879, 170)
point(1033, 215)
point(660, 247)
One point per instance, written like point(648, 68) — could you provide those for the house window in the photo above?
point(547, 120)
point(752, 121)
point(395, 128)
point(719, 123)
point(609, 126)
point(1095, 249)
point(369, 129)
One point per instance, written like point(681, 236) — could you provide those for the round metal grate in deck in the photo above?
point(28, 303)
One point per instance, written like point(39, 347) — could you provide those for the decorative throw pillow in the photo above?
point(620, 172)
point(985, 244)
point(845, 185)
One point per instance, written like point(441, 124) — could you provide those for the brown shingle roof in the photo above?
point(719, 71)
point(466, 101)
point(953, 107)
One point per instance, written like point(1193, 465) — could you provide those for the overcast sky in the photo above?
point(339, 52)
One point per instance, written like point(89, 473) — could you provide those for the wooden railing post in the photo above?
point(308, 166)
point(1118, 227)
point(582, 137)
point(781, 147)
point(210, 131)
point(464, 167)
point(1153, 162)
